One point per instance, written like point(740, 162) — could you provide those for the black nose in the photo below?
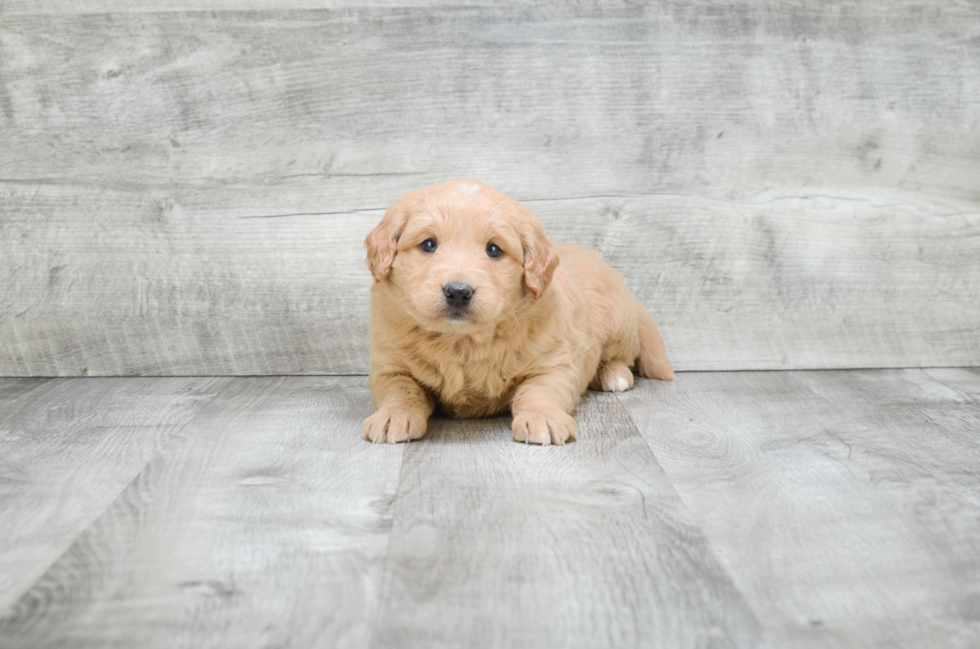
point(458, 296)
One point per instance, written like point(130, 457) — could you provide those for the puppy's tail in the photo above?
point(652, 361)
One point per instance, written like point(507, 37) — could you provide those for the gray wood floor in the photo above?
point(824, 509)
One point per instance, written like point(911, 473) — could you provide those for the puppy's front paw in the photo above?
point(393, 425)
point(543, 427)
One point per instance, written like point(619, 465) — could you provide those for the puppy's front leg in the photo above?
point(542, 407)
point(403, 409)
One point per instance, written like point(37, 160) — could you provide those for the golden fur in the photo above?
point(537, 333)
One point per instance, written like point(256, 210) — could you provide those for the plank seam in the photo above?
point(970, 368)
point(708, 545)
point(95, 519)
point(385, 572)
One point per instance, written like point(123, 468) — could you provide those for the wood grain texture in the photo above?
point(29, 7)
point(787, 185)
point(809, 509)
point(359, 105)
point(34, 7)
point(497, 544)
point(844, 504)
point(67, 449)
point(755, 281)
point(964, 380)
point(263, 524)
point(934, 421)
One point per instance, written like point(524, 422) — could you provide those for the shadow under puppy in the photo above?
point(472, 311)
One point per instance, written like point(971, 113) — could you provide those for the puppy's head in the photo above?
point(460, 255)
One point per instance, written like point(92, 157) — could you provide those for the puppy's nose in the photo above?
point(458, 295)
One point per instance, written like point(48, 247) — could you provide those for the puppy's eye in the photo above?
point(493, 250)
point(429, 245)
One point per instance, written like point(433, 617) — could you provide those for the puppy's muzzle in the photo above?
point(458, 295)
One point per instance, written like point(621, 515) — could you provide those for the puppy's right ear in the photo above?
point(382, 241)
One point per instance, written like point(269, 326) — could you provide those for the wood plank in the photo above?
point(763, 174)
point(35, 7)
point(68, 448)
point(964, 380)
point(31, 7)
point(921, 416)
point(540, 101)
point(843, 504)
point(16, 394)
point(761, 281)
point(497, 544)
point(263, 524)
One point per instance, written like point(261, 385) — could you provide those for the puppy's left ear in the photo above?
point(540, 258)
point(382, 241)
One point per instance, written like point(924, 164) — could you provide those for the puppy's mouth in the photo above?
point(457, 316)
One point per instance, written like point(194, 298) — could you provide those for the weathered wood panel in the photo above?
point(931, 420)
point(33, 7)
point(67, 449)
point(191, 282)
point(131, 140)
point(964, 380)
point(497, 544)
point(361, 104)
point(264, 523)
point(843, 504)
point(819, 509)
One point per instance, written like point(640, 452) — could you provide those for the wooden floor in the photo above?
point(803, 509)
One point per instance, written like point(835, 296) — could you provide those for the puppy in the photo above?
point(471, 311)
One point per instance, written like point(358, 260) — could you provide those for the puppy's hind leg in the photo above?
point(613, 376)
point(652, 361)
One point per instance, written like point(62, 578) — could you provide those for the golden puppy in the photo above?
point(471, 310)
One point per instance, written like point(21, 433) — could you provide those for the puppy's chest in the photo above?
point(468, 387)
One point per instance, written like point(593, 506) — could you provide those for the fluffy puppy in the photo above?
point(471, 311)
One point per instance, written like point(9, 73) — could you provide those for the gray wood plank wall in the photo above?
point(785, 185)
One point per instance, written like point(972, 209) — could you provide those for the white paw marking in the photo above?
point(622, 385)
